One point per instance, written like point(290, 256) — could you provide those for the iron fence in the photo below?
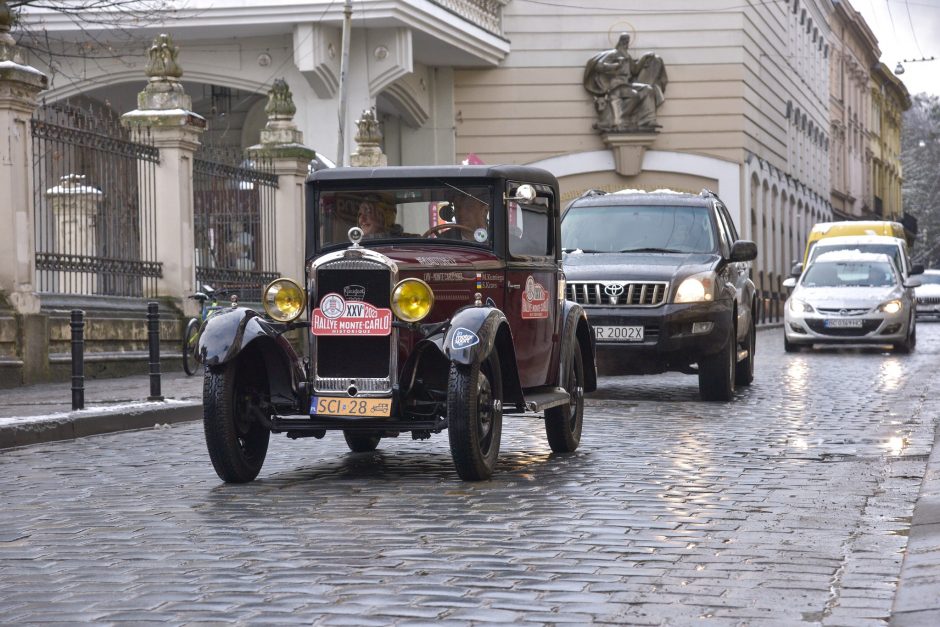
point(95, 203)
point(233, 206)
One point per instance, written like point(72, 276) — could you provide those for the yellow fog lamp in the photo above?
point(284, 300)
point(412, 300)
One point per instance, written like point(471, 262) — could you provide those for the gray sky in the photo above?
point(902, 35)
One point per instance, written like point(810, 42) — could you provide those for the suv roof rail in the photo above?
point(593, 192)
point(708, 193)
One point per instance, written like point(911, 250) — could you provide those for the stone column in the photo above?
point(20, 85)
point(369, 139)
point(282, 143)
point(165, 108)
point(75, 207)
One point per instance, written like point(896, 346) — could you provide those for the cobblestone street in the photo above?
point(790, 505)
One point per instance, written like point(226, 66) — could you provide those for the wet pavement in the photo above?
point(794, 504)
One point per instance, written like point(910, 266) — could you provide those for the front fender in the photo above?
point(227, 333)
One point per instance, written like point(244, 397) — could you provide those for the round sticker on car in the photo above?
point(481, 235)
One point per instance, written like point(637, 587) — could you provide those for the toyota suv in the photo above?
point(665, 282)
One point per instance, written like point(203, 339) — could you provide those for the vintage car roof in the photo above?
point(517, 172)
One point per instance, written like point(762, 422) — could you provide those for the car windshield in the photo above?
point(849, 274)
point(638, 228)
point(892, 250)
point(449, 213)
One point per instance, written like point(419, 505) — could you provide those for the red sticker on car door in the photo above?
point(534, 300)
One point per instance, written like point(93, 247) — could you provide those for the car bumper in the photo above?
point(928, 311)
point(675, 335)
point(877, 328)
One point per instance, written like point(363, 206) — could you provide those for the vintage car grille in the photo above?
point(867, 327)
point(618, 293)
point(367, 360)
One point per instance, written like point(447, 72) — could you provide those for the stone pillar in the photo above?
point(75, 207)
point(369, 138)
point(20, 85)
point(165, 108)
point(282, 143)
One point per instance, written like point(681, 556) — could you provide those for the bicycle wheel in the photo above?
point(190, 343)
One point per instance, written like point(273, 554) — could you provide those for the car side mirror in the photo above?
point(789, 282)
point(525, 194)
point(797, 269)
point(918, 268)
point(743, 250)
point(912, 283)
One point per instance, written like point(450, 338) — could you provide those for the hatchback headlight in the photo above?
point(891, 307)
point(284, 300)
point(800, 306)
point(412, 300)
point(698, 288)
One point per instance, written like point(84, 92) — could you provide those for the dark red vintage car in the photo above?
point(433, 299)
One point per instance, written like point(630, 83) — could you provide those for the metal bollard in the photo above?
point(153, 339)
point(78, 359)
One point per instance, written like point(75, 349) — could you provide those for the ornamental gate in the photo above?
point(233, 207)
point(94, 204)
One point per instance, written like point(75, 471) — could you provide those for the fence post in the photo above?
point(78, 359)
point(153, 341)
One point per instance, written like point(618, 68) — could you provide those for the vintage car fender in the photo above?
point(578, 335)
point(229, 332)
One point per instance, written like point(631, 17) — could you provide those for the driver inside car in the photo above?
point(470, 223)
point(375, 219)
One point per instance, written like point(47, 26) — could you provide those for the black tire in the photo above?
point(359, 442)
point(190, 342)
point(475, 417)
point(563, 423)
point(237, 442)
point(744, 371)
point(790, 347)
point(716, 373)
point(907, 346)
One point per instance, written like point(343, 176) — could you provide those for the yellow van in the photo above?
point(851, 227)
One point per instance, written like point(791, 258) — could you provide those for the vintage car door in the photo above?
point(532, 283)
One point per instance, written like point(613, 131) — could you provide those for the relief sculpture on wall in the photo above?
point(626, 91)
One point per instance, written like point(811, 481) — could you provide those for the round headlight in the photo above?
point(284, 300)
point(412, 300)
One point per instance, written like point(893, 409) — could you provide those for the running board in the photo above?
point(540, 399)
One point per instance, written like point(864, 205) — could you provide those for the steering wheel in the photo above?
point(434, 230)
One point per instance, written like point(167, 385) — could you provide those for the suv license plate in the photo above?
point(618, 334)
point(842, 323)
point(332, 406)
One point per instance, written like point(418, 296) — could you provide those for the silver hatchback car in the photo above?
point(850, 297)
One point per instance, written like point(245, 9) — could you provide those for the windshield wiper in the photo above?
point(650, 249)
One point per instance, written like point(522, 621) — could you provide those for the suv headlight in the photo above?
point(412, 300)
point(800, 306)
point(891, 307)
point(698, 288)
point(284, 300)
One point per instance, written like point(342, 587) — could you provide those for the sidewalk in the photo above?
point(43, 413)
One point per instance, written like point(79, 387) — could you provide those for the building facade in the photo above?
point(889, 100)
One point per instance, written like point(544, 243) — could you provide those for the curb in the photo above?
point(83, 423)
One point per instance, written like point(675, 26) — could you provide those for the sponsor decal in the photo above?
point(436, 261)
point(354, 292)
point(463, 338)
point(534, 300)
point(479, 281)
point(442, 277)
point(481, 235)
point(338, 317)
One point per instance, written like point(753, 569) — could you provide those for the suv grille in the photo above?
point(618, 293)
point(928, 300)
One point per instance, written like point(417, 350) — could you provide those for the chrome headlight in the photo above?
point(800, 306)
point(891, 307)
point(284, 300)
point(698, 288)
point(412, 300)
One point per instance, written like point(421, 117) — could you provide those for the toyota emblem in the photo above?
point(613, 289)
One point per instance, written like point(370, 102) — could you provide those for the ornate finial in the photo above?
point(162, 65)
point(368, 133)
point(280, 102)
point(7, 43)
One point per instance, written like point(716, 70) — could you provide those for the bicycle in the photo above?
point(191, 362)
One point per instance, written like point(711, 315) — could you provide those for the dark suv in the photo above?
point(665, 283)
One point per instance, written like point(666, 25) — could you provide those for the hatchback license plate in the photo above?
point(332, 406)
point(842, 323)
point(618, 334)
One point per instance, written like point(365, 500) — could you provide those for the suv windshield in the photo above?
point(638, 228)
point(849, 274)
point(892, 250)
point(460, 214)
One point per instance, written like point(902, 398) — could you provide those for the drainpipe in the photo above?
point(343, 87)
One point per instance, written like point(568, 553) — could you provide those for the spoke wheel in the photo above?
point(563, 423)
point(475, 417)
point(237, 442)
point(716, 373)
point(190, 344)
point(744, 373)
point(359, 442)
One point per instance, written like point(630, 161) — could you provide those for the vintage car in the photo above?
point(433, 299)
